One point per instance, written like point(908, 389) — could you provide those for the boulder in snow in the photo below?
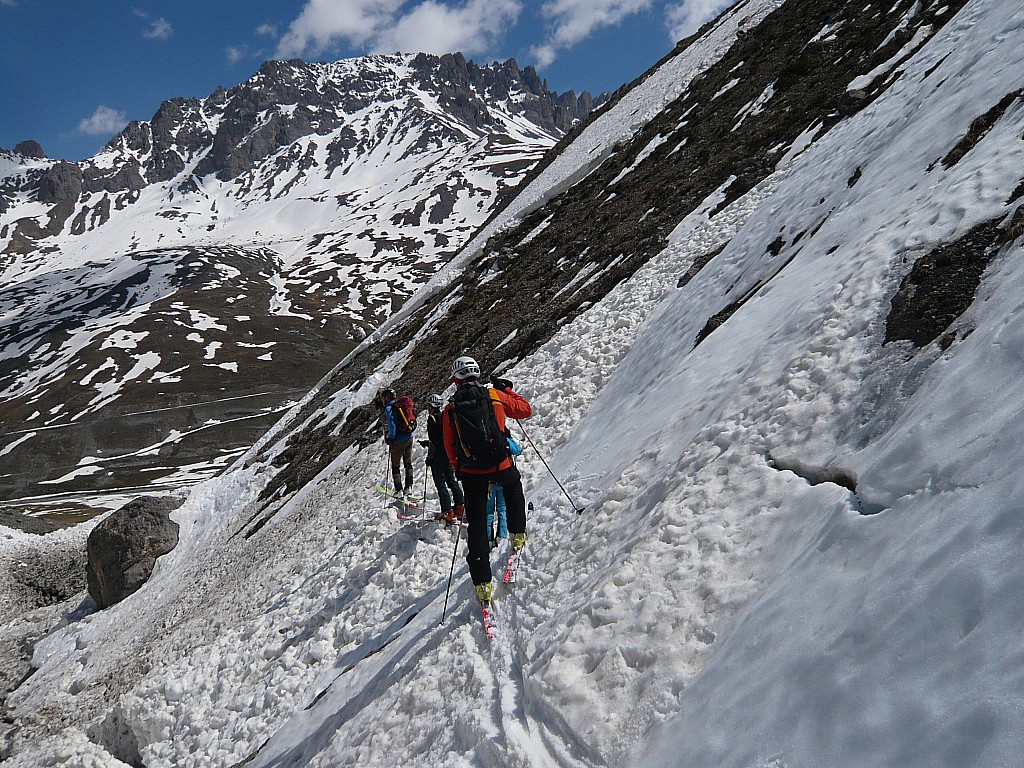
point(123, 549)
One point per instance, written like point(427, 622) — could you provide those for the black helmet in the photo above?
point(385, 396)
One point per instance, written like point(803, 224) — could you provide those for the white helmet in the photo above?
point(465, 368)
point(435, 401)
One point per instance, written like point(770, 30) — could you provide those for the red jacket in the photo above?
point(506, 403)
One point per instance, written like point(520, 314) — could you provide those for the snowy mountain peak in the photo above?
point(231, 131)
point(349, 182)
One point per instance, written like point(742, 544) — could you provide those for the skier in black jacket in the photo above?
point(440, 468)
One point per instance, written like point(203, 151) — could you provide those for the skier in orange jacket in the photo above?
point(476, 440)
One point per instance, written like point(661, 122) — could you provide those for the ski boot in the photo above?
point(484, 592)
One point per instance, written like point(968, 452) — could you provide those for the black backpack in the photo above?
point(479, 442)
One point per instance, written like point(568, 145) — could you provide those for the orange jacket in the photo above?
point(506, 403)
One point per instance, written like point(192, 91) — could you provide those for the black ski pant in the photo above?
point(401, 453)
point(476, 489)
point(444, 481)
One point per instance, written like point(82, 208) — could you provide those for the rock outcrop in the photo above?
point(123, 549)
point(31, 149)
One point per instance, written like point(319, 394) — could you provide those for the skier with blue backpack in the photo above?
point(497, 519)
point(400, 423)
point(496, 509)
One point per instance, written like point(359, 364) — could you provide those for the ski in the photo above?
point(417, 518)
point(512, 567)
point(485, 610)
point(515, 555)
point(408, 501)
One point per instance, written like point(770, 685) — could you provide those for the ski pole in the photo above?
point(455, 551)
point(579, 510)
point(424, 490)
point(384, 480)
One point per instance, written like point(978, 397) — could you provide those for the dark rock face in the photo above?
point(466, 88)
point(126, 177)
point(246, 136)
point(252, 126)
point(941, 286)
point(123, 549)
point(177, 134)
point(30, 149)
point(61, 183)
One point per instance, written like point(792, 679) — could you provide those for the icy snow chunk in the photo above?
point(174, 690)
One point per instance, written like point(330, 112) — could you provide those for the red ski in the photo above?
point(485, 610)
point(512, 567)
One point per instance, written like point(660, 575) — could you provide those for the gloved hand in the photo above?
point(501, 384)
point(425, 443)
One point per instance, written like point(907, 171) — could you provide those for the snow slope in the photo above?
point(723, 600)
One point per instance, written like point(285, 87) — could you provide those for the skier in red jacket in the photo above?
point(476, 440)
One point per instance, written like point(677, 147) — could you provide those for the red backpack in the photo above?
point(403, 411)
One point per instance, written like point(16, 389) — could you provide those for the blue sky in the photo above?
point(74, 73)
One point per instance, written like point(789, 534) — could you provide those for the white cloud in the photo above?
point(542, 55)
point(574, 20)
point(104, 122)
point(433, 27)
point(267, 30)
point(160, 29)
point(685, 19)
point(472, 26)
point(236, 53)
point(325, 22)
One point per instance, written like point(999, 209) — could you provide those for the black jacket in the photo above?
point(435, 441)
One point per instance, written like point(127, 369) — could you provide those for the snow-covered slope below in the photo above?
point(799, 542)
